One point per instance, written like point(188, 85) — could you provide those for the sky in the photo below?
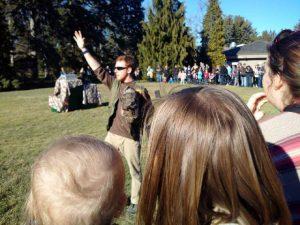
point(263, 14)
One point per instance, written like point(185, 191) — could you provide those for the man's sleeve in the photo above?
point(104, 77)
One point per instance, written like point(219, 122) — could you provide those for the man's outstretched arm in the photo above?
point(93, 63)
point(100, 72)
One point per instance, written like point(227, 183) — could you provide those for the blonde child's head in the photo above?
point(78, 180)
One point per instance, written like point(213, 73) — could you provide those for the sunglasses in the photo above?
point(119, 68)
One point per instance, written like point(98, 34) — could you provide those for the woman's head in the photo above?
point(207, 152)
point(283, 68)
point(78, 180)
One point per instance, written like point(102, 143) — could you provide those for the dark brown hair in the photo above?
point(284, 59)
point(208, 162)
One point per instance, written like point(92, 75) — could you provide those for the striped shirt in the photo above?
point(282, 132)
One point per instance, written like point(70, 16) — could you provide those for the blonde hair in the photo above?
point(206, 152)
point(78, 180)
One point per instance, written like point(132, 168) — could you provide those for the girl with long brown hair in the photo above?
point(281, 83)
point(208, 164)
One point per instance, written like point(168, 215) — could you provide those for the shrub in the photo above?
point(4, 84)
point(16, 84)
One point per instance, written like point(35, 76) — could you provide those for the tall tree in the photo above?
point(44, 17)
point(126, 18)
point(267, 36)
point(297, 26)
point(238, 30)
point(6, 47)
point(41, 33)
point(32, 25)
point(166, 40)
point(74, 15)
point(213, 35)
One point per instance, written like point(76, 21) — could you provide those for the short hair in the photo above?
point(284, 59)
point(78, 180)
point(129, 60)
point(206, 152)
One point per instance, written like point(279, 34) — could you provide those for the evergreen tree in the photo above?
point(166, 39)
point(44, 33)
point(32, 25)
point(5, 46)
point(229, 29)
point(267, 36)
point(126, 17)
point(238, 30)
point(41, 33)
point(73, 15)
point(297, 26)
point(213, 33)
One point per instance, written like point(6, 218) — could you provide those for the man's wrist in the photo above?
point(84, 50)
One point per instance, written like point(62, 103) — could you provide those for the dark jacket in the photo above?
point(134, 101)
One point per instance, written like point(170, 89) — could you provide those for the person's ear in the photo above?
point(129, 70)
point(278, 82)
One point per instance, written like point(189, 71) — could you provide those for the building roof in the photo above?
point(254, 48)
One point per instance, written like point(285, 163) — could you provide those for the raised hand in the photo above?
point(93, 63)
point(79, 39)
point(255, 102)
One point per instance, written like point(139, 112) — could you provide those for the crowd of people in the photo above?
point(211, 159)
point(238, 74)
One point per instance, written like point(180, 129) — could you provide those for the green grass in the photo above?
point(28, 127)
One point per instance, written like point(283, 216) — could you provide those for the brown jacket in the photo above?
point(134, 102)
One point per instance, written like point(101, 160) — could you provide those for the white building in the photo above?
point(251, 54)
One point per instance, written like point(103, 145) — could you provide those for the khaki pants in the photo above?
point(131, 151)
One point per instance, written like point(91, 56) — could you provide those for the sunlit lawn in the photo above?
point(27, 127)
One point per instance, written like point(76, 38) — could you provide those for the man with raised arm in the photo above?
point(128, 104)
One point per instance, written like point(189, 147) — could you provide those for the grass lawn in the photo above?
point(27, 127)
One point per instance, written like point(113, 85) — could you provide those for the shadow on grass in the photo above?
point(92, 106)
point(84, 107)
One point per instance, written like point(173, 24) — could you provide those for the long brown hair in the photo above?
point(208, 162)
